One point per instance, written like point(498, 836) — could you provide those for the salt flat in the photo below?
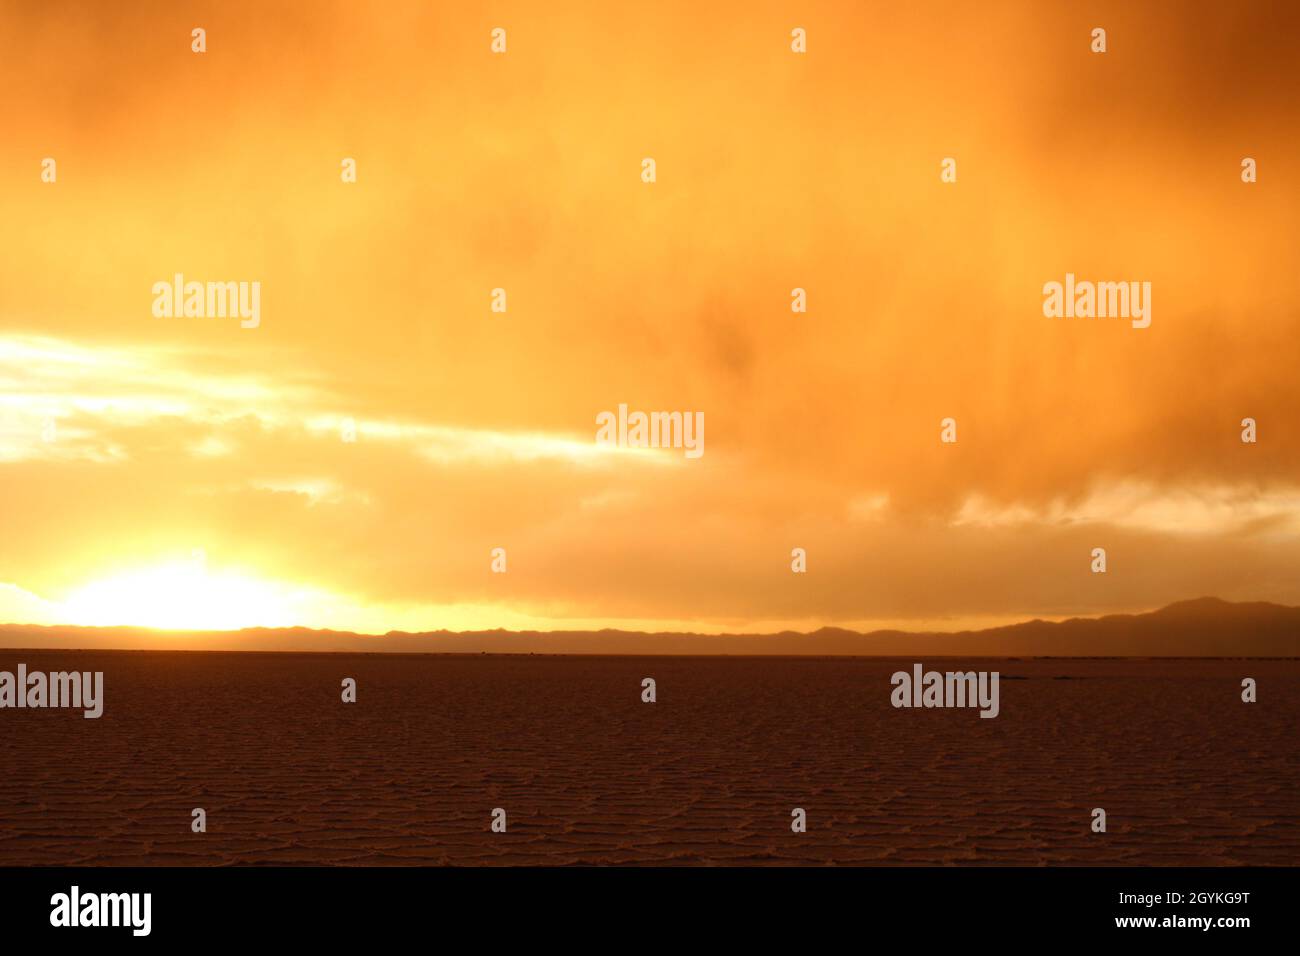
point(709, 773)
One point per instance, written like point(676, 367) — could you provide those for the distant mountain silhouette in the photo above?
point(1205, 627)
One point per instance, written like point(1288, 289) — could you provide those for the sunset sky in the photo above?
point(196, 476)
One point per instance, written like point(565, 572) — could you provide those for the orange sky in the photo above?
point(175, 436)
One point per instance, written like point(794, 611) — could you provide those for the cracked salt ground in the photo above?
point(708, 774)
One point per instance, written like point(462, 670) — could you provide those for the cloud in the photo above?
point(125, 438)
point(1143, 506)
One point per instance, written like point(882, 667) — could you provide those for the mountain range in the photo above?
point(1205, 627)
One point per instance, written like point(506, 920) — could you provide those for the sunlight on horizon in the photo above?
point(186, 595)
point(182, 596)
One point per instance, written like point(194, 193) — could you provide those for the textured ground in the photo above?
point(288, 774)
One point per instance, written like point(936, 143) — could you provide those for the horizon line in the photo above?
point(254, 629)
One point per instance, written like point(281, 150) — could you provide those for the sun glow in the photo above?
point(182, 596)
